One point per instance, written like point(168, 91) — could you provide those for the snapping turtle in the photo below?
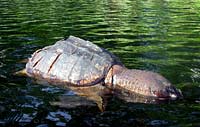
point(79, 63)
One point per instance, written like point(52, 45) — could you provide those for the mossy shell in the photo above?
point(73, 61)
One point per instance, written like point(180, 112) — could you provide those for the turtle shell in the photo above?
point(72, 61)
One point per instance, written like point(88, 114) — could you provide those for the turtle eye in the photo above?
point(170, 90)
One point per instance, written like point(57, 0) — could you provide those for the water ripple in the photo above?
point(158, 35)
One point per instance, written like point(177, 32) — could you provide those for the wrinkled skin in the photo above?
point(142, 82)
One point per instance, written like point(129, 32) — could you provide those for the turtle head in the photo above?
point(159, 86)
point(167, 92)
point(155, 85)
point(146, 83)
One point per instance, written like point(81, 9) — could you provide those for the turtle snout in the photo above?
point(173, 92)
point(170, 92)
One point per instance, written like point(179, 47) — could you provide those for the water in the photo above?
point(156, 35)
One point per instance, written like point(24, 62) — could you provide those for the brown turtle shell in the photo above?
point(73, 61)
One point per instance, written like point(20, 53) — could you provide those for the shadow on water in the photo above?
point(162, 36)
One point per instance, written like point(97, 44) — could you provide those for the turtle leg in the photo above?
point(20, 73)
point(99, 101)
point(92, 93)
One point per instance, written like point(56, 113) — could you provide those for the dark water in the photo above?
point(158, 35)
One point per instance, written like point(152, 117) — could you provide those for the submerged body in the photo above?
point(80, 63)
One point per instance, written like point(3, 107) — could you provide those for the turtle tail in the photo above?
point(20, 73)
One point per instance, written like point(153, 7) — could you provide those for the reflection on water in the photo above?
point(162, 36)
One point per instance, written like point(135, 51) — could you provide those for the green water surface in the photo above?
point(158, 35)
